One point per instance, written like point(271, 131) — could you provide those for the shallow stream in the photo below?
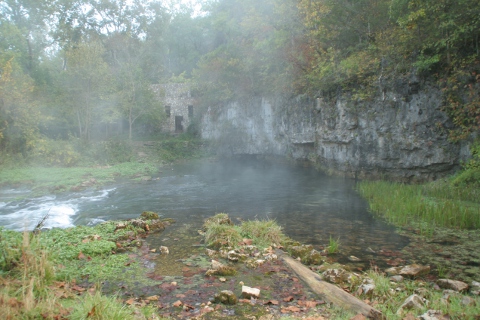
point(311, 206)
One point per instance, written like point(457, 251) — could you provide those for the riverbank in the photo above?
point(99, 164)
point(149, 268)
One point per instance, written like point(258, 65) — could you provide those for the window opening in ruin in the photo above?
point(168, 111)
point(190, 111)
point(178, 124)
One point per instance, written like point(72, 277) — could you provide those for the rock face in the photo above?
point(399, 134)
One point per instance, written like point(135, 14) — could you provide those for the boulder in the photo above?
point(226, 297)
point(414, 270)
point(455, 285)
point(248, 292)
point(412, 302)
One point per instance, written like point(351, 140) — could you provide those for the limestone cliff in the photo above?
point(402, 134)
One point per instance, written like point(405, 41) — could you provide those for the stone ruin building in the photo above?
point(178, 102)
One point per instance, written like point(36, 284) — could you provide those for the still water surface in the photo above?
point(309, 205)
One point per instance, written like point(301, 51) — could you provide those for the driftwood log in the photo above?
point(329, 291)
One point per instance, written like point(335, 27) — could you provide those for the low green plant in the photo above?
point(101, 307)
point(333, 245)
point(222, 235)
point(264, 232)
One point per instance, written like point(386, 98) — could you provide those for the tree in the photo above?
point(86, 85)
point(18, 113)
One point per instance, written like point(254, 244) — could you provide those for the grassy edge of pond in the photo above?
point(58, 272)
point(96, 164)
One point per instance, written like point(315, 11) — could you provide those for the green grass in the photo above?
point(37, 268)
point(333, 245)
point(438, 204)
point(221, 232)
point(58, 179)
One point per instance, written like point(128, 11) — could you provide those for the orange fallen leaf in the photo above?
point(81, 256)
point(290, 309)
point(130, 301)
point(308, 304)
point(177, 303)
point(91, 313)
point(78, 288)
point(288, 299)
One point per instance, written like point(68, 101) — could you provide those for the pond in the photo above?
point(311, 206)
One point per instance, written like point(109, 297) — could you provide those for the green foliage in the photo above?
point(433, 204)
point(221, 232)
point(222, 235)
point(333, 245)
point(264, 232)
point(106, 152)
point(100, 307)
point(50, 152)
point(10, 249)
point(469, 177)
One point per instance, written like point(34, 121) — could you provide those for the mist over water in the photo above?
point(309, 205)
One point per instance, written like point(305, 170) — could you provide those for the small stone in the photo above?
point(370, 250)
point(422, 292)
point(433, 315)
point(475, 288)
point(216, 265)
point(412, 302)
point(211, 253)
point(414, 270)
point(241, 283)
point(222, 279)
point(468, 301)
point(456, 285)
point(226, 297)
point(359, 317)
point(393, 271)
point(397, 278)
point(174, 283)
point(248, 292)
point(164, 250)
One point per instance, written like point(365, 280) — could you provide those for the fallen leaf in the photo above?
point(130, 301)
point(177, 303)
point(290, 309)
point(81, 256)
point(288, 299)
point(180, 295)
point(153, 298)
point(91, 313)
point(274, 302)
point(78, 288)
point(308, 304)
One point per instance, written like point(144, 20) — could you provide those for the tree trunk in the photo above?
point(331, 292)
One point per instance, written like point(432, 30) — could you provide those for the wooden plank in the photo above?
point(330, 292)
